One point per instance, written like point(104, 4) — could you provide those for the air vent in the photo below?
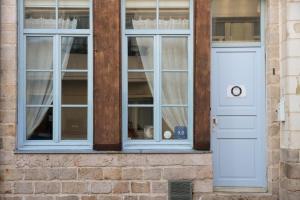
point(180, 190)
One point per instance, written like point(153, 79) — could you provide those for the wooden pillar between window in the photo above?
point(202, 56)
point(107, 75)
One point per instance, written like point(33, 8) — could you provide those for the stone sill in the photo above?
point(111, 152)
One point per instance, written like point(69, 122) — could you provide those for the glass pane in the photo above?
point(141, 14)
point(140, 123)
point(140, 53)
point(74, 88)
point(39, 123)
point(39, 53)
point(140, 88)
point(236, 20)
point(175, 53)
point(40, 14)
point(39, 88)
point(175, 88)
point(74, 123)
point(74, 53)
point(174, 123)
point(174, 14)
point(73, 14)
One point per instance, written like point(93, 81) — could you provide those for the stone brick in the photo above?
point(187, 173)
point(130, 197)
point(159, 197)
point(5, 188)
point(140, 187)
point(89, 198)
point(7, 158)
point(75, 187)
point(10, 198)
point(293, 195)
point(67, 198)
point(62, 174)
point(109, 197)
point(101, 187)
point(43, 197)
point(23, 188)
point(90, 173)
point(47, 187)
point(293, 171)
point(121, 187)
point(203, 186)
point(112, 173)
point(178, 159)
point(36, 174)
point(159, 187)
point(8, 14)
point(152, 174)
point(132, 174)
point(7, 130)
point(11, 174)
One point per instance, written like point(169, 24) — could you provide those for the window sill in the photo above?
point(111, 152)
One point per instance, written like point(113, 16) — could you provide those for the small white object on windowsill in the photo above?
point(167, 134)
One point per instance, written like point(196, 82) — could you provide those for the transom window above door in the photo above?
point(236, 20)
point(157, 74)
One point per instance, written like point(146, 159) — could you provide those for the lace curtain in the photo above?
point(40, 49)
point(172, 117)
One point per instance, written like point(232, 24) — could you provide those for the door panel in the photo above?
point(238, 99)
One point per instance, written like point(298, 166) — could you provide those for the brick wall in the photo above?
point(290, 84)
point(102, 176)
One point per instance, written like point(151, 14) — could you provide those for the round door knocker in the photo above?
point(236, 91)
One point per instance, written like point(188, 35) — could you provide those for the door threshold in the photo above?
point(241, 189)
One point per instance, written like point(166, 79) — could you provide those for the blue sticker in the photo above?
point(180, 133)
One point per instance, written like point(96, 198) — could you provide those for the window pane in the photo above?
point(140, 88)
point(74, 123)
point(141, 14)
point(175, 53)
point(40, 14)
point(174, 123)
point(39, 123)
point(174, 88)
point(74, 88)
point(236, 20)
point(174, 14)
point(74, 53)
point(39, 88)
point(140, 123)
point(73, 14)
point(39, 52)
point(140, 53)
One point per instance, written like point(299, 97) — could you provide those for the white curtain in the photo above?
point(43, 84)
point(174, 53)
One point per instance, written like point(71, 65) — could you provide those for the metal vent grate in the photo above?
point(180, 190)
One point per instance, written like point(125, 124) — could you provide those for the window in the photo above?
point(236, 20)
point(157, 74)
point(55, 74)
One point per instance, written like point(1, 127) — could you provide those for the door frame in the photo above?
point(262, 112)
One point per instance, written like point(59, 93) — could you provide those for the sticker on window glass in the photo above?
point(180, 133)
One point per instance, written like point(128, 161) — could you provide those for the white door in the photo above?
point(238, 110)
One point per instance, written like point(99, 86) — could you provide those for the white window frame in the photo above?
point(56, 142)
point(157, 34)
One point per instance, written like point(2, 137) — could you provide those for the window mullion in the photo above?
point(157, 87)
point(56, 89)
